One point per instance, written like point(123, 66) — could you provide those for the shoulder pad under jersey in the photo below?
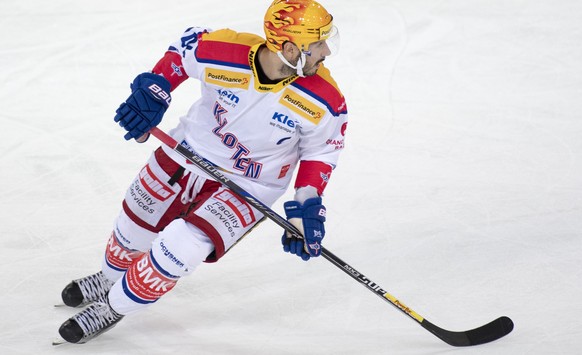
point(226, 47)
point(324, 89)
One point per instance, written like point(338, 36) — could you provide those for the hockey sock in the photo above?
point(127, 243)
point(118, 258)
point(178, 250)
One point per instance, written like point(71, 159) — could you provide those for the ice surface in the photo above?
point(459, 190)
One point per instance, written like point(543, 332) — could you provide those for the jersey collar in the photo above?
point(266, 87)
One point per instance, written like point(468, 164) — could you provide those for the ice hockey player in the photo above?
point(268, 106)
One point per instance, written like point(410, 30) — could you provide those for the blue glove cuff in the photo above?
point(310, 209)
point(155, 85)
point(293, 209)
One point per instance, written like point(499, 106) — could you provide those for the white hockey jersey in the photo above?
point(258, 132)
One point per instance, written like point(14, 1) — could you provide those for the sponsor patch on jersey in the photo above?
point(227, 97)
point(344, 129)
point(302, 106)
point(284, 171)
point(227, 78)
point(337, 143)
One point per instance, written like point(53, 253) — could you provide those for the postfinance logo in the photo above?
point(302, 106)
point(228, 79)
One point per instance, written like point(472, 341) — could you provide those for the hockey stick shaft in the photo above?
point(489, 332)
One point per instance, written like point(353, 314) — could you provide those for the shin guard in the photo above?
point(118, 258)
point(177, 251)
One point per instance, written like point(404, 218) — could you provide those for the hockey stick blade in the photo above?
point(484, 334)
point(481, 335)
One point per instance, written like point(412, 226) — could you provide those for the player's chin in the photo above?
point(311, 71)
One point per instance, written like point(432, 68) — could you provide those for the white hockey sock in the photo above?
point(127, 242)
point(177, 251)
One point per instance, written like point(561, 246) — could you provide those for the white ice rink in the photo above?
point(459, 191)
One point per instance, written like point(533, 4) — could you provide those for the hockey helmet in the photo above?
point(301, 22)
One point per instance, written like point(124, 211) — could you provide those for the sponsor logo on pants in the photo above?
point(240, 208)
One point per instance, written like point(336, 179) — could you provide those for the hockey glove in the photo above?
point(145, 107)
point(309, 219)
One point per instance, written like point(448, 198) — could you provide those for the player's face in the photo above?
point(315, 56)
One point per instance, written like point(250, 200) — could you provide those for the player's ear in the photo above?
point(290, 50)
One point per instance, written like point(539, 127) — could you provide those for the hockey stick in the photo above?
point(494, 330)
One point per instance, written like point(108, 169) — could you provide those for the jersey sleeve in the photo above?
point(178, 63)
point(323, 140)
point(319, 153)
point(170, 67)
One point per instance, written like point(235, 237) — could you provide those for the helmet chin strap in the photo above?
point(300, 62)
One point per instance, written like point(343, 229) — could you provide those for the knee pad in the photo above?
point(131, 235)
point(180, 248)
point(176, 252)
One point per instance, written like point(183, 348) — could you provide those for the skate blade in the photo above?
point(81, 306)
point(59, 341)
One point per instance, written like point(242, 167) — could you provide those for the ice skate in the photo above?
point(98, 318)
point(83, 291)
